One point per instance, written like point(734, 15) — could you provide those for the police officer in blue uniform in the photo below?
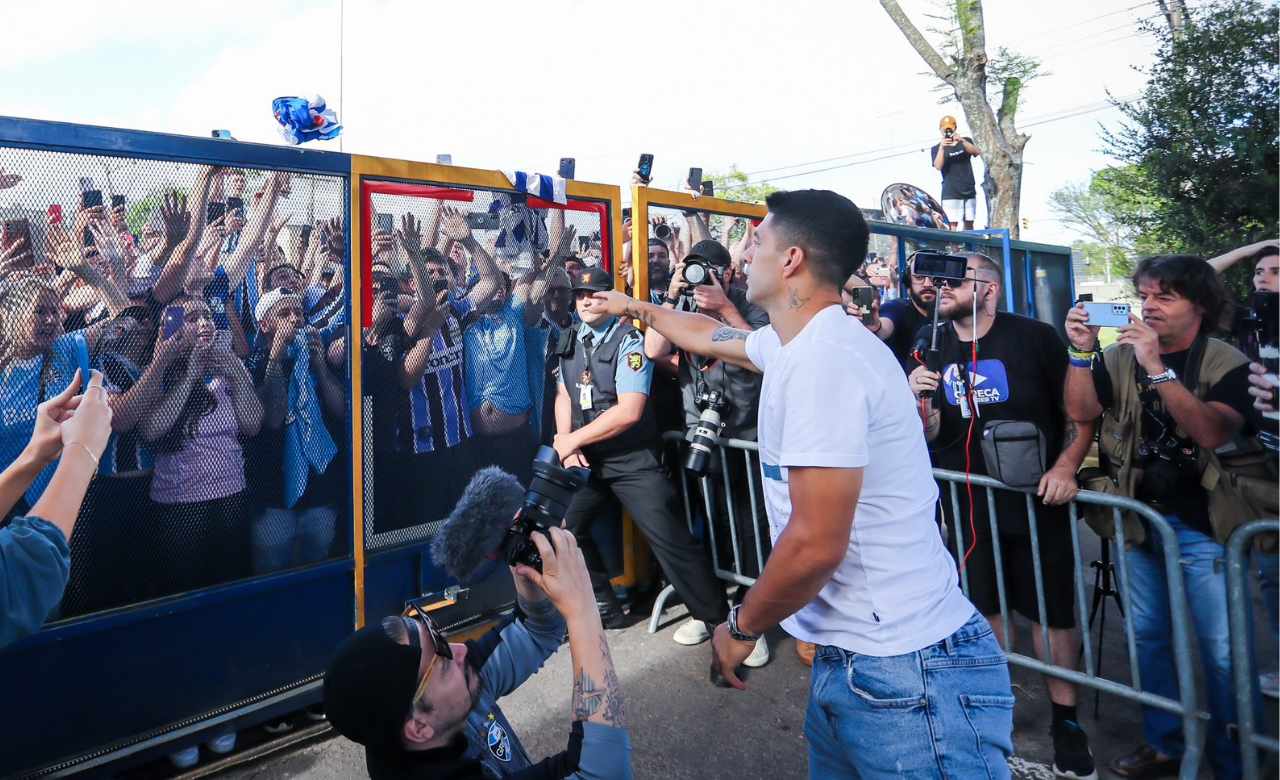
point(605, 421)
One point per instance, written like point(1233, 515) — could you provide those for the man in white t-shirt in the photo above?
point(907, 678)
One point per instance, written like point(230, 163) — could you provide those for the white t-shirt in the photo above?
point(836, 397)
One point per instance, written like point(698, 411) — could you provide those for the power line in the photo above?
point(1069, 114)
point(901, 150)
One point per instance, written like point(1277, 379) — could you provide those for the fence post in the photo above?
point(1238, 602)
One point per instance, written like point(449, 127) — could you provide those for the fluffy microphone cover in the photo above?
point(477, 524)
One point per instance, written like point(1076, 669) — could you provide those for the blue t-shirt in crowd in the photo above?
point(497, 370)
point(28, 383)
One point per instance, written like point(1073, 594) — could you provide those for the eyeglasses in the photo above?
point(939, 281)
point(440, 645)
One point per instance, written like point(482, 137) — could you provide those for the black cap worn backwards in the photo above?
point(593, 279)
point(712, 251)
point(369, 686)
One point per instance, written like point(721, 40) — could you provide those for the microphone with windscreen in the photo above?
point(495, 516)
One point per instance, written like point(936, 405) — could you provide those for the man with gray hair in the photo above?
point(1016, 376)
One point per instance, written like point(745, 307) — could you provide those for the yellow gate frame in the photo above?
point(644, 197)
point(382, 168)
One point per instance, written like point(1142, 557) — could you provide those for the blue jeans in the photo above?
point(291, 537)
point(1268, 567)
point(1205, 582)
point(944, 711)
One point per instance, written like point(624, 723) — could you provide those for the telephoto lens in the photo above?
point(545, 503)
point(705, 433)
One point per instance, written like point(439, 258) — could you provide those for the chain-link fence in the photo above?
point(213, 303)
point(471, 291)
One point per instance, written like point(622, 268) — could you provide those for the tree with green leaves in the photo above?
point(1201, 140)
point(976, 80)
point(733, 184)
point(1107, 211)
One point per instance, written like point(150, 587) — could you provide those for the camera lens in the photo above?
point(662, 231)
point(695, 272)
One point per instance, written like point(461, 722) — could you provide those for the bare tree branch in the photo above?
point(930, 55)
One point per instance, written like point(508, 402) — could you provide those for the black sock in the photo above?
point(1063, 712)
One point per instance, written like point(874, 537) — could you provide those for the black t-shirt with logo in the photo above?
point(957, 172)
point(1019, 375)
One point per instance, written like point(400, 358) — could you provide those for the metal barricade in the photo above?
point(1187, 707)
point(1242, 656)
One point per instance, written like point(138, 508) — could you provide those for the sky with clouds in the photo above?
point(761, 85)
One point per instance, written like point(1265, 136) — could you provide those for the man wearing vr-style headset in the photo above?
point(1001, 378)
point(425, 707)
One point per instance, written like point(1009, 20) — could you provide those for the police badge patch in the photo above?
point(634, 361)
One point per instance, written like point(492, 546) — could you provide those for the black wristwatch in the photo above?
point(736, 632)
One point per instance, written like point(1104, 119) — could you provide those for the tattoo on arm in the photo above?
point(729, 334)
point(1070, 434)
point(590, 697)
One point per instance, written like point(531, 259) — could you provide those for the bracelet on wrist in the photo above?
point(87, 451)
point(1080, 362)
point(1081, 354)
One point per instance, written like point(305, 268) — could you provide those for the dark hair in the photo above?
point(827, 226)
point(1266, 251)
point(1188, 276)
point(657, 242)
point(200, 401)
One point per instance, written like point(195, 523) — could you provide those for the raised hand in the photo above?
point(410, 235)
point(89, 426)
point(453, 223)
point(45, 444)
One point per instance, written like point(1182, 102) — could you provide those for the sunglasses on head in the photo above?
point(440, 645)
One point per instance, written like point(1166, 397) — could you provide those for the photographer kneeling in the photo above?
point(424, 707)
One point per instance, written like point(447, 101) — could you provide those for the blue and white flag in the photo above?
point(539, 185)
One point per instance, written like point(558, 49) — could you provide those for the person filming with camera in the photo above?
point(1167, 396)
point(704, 282)
point(425, 707)
point(953, 157)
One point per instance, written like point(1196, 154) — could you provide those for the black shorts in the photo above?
point(1056, 567)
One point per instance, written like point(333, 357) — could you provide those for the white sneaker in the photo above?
point(759, 656)
point(693, 632)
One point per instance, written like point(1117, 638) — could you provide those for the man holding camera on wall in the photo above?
point(908, 679)
point(1167, 396)
point(953, 157)
point(425, 707)
point(999, 389)
point(703, 282)
point(605, 422)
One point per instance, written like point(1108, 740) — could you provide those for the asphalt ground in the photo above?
point(682, 727)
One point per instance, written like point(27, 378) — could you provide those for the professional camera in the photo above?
point(696, 271)
point(545, 503)
point(712, 404)
point(662, 231)
point(1168, 460)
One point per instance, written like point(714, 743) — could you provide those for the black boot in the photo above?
point(611, 614)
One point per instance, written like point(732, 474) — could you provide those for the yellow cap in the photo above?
point(947, 122)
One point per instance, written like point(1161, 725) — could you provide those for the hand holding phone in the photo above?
point(644, 170)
